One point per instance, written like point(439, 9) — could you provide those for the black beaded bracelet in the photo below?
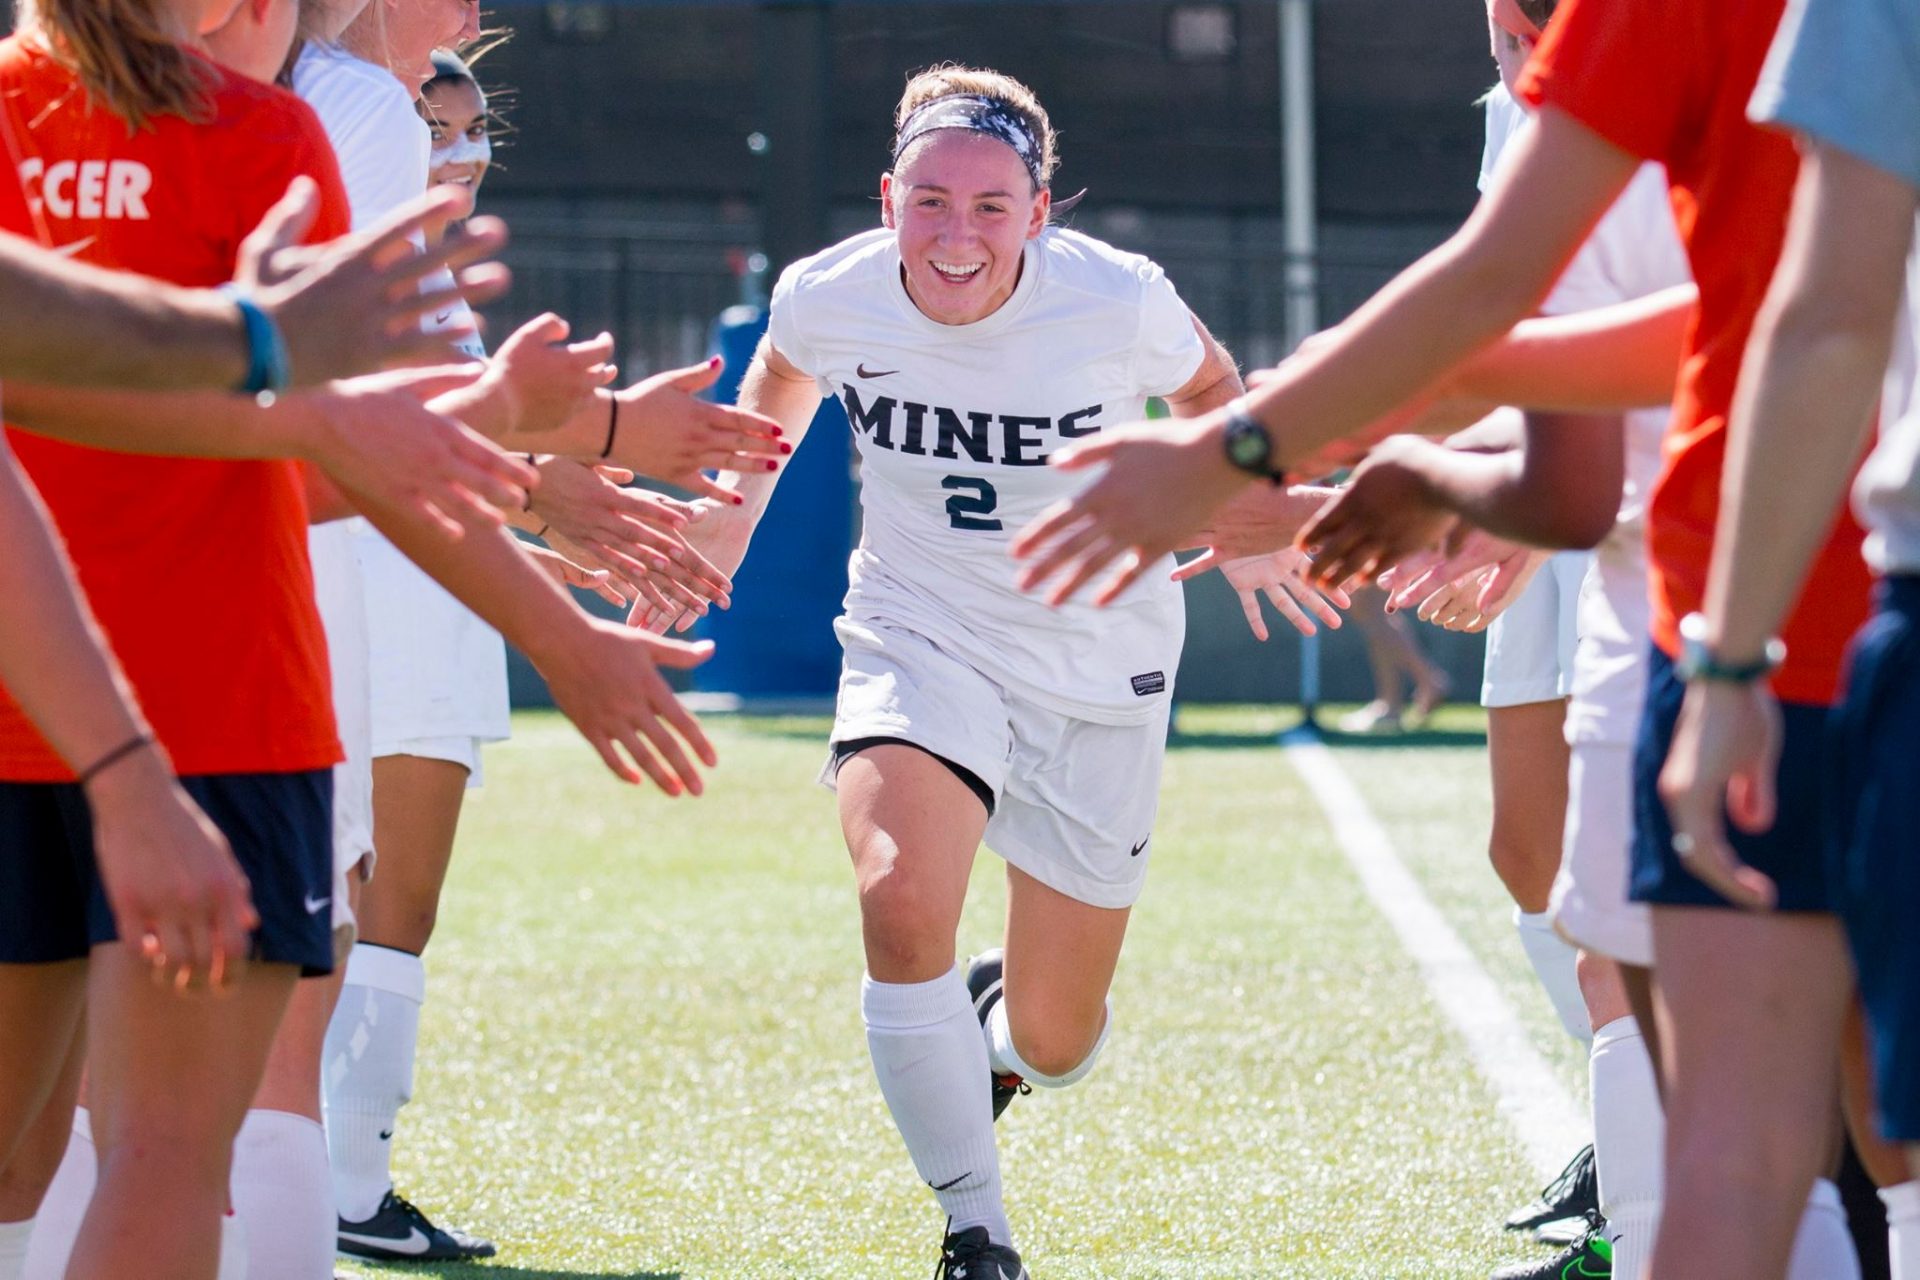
point(613, 424)
point(136, 743)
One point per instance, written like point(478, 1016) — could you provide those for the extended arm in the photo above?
point(1163, 480)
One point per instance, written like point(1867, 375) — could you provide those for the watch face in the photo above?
point(1247, 445)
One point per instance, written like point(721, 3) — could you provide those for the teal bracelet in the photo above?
point(267, 366)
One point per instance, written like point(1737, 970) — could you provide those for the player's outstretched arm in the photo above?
point(176, 892)
point(353, 305)
point(373, 434)
point(777, 391)
point(605, 677)
point(661, 429)
point(591, 515)
point(1560, 489)
point(1161, 481)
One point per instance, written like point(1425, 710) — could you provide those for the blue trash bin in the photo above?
point(777, 640)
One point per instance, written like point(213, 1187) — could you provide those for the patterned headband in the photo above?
point(992, 116)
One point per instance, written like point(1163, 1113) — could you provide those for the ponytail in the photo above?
point(130, 56)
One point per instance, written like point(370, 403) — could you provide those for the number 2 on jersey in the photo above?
point(972, 503)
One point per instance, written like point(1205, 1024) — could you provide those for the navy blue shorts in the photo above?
point(53, 906)
point(1792, 854)
point(1876, 842)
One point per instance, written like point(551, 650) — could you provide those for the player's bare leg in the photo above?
point(1060, 959)
point(416, 816)
point(170, 1082)
point(913, 828)
point(41, 1006)
point(1750, 1010)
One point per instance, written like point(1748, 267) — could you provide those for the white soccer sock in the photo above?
point(932, 1065)
point(283, 1196)
point(13, 1248)
point(65, 1204)
point(233, 1249)
point(1823, 1249)
point(1006, 1059)
point(1629, 1134)
point(1903, 1228)
point(369, 1071)
point(1552, 958)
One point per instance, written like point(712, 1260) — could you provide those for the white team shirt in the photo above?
point(1633, 252)
point(954, 424)
point(1886, 494)
point(435, 669)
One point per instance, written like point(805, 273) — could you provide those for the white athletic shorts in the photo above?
point(454, 749)
point(339, 592)
point(436, 672)
point(1530, 646)
point(1075, 800)
point(1590, 906)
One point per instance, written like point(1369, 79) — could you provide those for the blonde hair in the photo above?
point(950, 80)
point(128, 55)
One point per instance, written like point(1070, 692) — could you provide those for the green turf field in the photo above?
point(642, 1057)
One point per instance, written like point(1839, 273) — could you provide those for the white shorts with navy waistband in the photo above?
point(1074, 800)
point(1530, 646)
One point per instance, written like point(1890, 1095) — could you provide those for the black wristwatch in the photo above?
point(1249, 445)
point(1698, 662)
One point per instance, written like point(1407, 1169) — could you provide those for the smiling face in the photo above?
point(962, 207)
point(456, 115)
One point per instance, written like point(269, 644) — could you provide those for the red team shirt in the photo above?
point(197, 570)
point(1668, 80)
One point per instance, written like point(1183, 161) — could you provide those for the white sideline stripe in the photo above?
point(1549, 1124)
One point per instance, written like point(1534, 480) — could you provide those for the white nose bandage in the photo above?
point(463, 150)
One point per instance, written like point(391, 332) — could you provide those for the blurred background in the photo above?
point(1280, 158)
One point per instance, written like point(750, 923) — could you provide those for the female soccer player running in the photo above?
point(968, 340)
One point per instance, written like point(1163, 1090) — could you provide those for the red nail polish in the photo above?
point(772, 465)
point(777, 433)
point(785, 448)
point(739, 501)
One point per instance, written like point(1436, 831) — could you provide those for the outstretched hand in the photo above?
point(605, 678)
point(1283, 577)
point(542, 378)
point(1386, 513)
point(1161, 484)
point(666, 432)
point(353, 305)
point(379, 438)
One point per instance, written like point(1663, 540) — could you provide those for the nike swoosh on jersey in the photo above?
point(865, 372)
point(1137, 848)
point(74, 247)
point(313, 905)
point(416, 1241)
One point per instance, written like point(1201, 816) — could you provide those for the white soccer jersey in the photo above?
point(954, 425)
point(1635, 251)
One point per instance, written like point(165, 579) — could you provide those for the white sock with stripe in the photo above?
point(368, 1072)
point(13, 1248)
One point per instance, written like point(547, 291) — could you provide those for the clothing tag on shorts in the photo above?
point(1152, 682)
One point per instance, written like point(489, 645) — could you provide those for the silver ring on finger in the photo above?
point(1682, 843)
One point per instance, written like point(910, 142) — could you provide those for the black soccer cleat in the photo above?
point(1574, 1194)
point(398, 1232)
point(1588, 1258)
point(971, 1255)
point(985, 982)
